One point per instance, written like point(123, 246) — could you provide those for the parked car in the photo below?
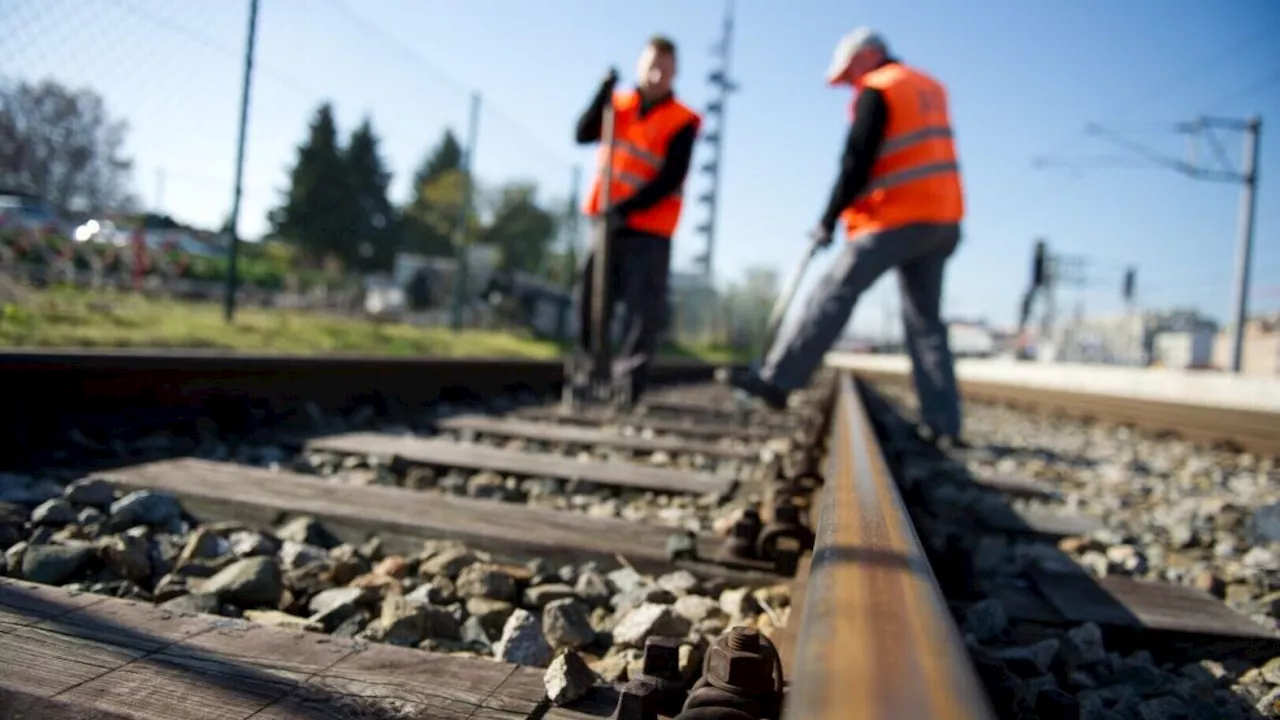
point(22, 211)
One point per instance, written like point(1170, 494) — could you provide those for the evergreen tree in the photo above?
point(318, 213)
point(444, 157)
point(376, 225)
point(437, 193)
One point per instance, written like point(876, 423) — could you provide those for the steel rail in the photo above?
point(1254, 431)
point(875, 638)
point(117, 392)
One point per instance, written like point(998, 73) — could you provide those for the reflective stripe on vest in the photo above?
point(914, 137)
point(902, 177)
point(916, 177)
point(639, 153)
point(637, 157)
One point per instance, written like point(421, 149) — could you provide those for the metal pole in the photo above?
point(602, 294)
point(464, 214)
point(229, 304)
point(570, 246)
point(724, 107)
point(1244, 249)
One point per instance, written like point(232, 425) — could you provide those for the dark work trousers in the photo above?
point(638, 278)
point(920, 254)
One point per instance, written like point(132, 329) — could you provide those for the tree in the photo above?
point(437, 195)
point(62, 145)
point(318, 212)
point(431, 219)
point(521, 229)
point(562, 267)
point(445, 156)
point(376, 221)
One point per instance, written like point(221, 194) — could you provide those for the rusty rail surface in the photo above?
point(1250, 430)
point(875, 639)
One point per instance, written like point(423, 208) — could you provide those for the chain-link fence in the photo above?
point(370, 177)
point(372, 184)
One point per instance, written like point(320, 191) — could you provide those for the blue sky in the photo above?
point(1024, 78)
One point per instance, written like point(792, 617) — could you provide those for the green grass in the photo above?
point(714, 354)
point(70, 318)
point(64, 318)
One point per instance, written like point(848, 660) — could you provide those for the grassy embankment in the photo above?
point(65, 318)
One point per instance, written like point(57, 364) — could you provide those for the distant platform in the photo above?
point(1205, 388)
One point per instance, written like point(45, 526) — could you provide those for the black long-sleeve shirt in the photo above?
point(861, 148)
point(675, 166)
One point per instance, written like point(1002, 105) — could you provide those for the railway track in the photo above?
point(273, 537)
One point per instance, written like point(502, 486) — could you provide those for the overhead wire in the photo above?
point(411, 53)
point(1192, 71)
point(1253, 88)
point(283, 78)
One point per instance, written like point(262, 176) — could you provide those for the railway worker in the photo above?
point(900, 196)
point(654, 135)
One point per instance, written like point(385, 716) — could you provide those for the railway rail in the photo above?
point(1250, 429)
point(196, 535)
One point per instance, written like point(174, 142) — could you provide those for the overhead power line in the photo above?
point(190, 33)
point(1144, 96)
point(412, 53)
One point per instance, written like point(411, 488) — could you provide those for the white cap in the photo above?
point(864, 38)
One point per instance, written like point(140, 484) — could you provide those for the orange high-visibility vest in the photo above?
point(915, 178)
point(640, 146)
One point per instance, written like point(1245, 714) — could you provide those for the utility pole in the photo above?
point(1223, 170)
point(1244, 244)
point(229, 303)
point(722, 85)
point(464, 214)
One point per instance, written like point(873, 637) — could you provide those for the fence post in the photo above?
point(229, 309)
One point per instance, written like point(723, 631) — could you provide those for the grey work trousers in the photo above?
point(640, 264)
point(920, 253)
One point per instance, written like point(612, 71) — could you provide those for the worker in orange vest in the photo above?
point(653, 144)
point(900, 196)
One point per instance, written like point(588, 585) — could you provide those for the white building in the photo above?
point(1132, 338)
point(970, 339)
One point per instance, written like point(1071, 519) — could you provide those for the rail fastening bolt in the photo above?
point(743, 639)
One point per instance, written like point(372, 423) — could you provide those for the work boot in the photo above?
point(752, 384)
point(952, 443)
point(944, 442)
point(626, 393)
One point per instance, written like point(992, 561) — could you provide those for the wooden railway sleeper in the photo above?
point(741, 677)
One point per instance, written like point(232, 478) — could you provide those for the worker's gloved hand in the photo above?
point(614, 219)
point(610, 80)
point(821, 237)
